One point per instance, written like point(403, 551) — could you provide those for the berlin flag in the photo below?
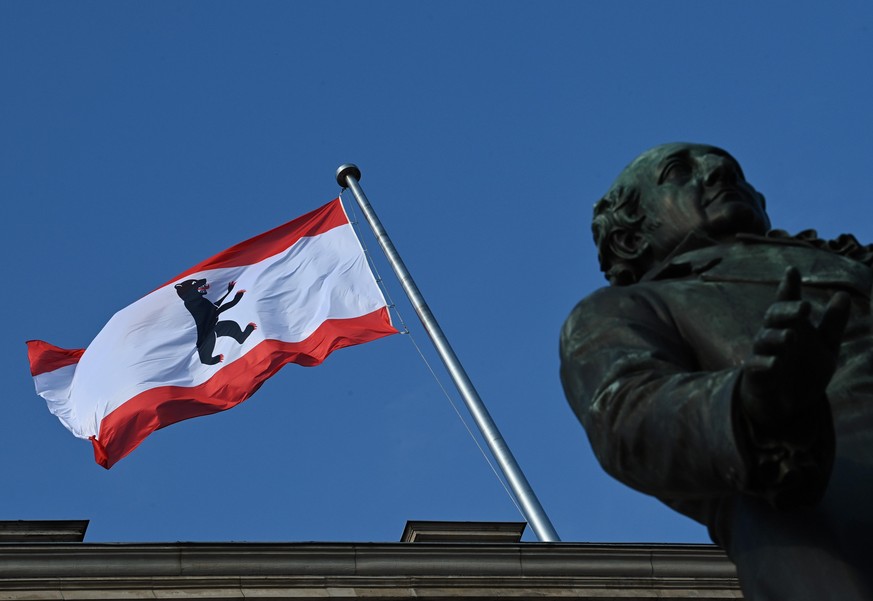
point(207, 339)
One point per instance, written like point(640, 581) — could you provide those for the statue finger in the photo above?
point(786, 312)
point(757, 365)
point(772, 341)
point(789, 287)
point(834, 320)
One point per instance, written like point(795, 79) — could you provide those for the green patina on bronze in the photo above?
point(728, 371)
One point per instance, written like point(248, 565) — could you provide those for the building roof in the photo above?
point(469, 570)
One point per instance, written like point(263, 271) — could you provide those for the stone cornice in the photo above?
point(381, 570)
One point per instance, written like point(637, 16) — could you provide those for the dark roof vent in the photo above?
point(462, 532)
point(42, 531)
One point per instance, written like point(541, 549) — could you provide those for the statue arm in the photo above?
point(662, 425)
point(655, 421)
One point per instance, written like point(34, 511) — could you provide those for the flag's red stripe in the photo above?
point(127, 426)
point(275, 241)
point(45, 357)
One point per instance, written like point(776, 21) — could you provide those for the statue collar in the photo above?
point(761, 259)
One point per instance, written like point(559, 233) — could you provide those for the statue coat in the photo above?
point(651, 371)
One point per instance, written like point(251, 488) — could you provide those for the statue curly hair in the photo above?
point(618, 215)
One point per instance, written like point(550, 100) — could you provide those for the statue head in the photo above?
point(664, 195)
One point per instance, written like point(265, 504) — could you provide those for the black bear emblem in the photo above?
point(205, 314)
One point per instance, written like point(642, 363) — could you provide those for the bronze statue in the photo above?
point(728, 371)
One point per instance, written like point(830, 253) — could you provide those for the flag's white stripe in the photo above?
point(152, 342)
point(54, 387)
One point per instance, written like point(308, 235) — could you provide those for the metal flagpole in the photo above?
point(347, 176)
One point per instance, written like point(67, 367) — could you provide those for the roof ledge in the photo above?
point(42, 531)
point(418, 531)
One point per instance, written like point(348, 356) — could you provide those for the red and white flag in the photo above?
point(207, 339)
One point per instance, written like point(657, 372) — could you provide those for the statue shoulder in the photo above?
point(597, 302)
point(605, 305)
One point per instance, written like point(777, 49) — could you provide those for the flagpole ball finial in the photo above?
point(347, 169)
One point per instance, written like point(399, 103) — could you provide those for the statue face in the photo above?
point(688, 187)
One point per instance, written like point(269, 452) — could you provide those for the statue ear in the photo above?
point(627, 244)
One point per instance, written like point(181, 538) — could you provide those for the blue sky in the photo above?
point(138, 138)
